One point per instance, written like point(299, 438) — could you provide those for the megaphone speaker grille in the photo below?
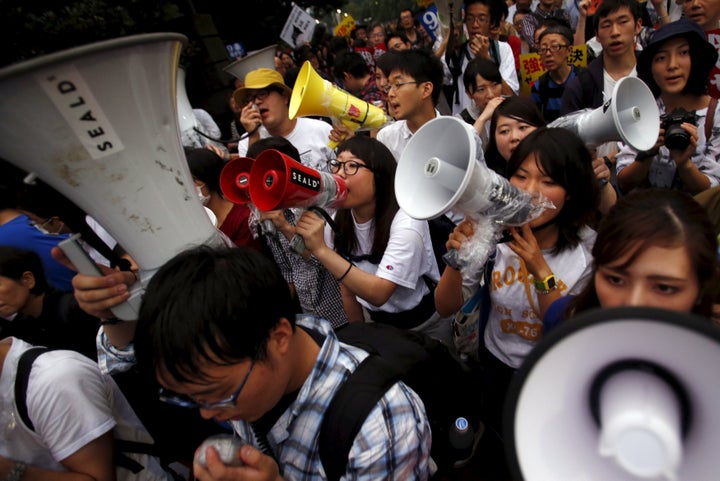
point(551, 431)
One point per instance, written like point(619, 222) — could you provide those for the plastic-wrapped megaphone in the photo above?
point(110, 142)
point(631, 115)
point(313, 95)
point(279, 182)
point(435, 177)
point(619, 399)
point(263, 58)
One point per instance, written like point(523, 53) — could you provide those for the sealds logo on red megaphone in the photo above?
point(235, 180)
point(277, 182)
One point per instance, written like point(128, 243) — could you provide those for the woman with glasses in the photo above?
point(555, 46)
point(382, 257)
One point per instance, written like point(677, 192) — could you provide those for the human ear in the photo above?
point(27, 280)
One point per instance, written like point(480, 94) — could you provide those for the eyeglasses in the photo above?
point(260, 95)
point(396, 86)
point(350, 167)
point(472, 19)
point(188, 402)
point(554, 48)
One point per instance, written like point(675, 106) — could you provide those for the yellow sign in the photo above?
point(345, 27)
point(531, 66)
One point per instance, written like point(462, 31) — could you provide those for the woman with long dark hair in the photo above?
point(381, 256)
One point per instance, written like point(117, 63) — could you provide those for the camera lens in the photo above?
point(676, 138)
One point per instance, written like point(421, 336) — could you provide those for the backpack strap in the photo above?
point(349, 408)
point(24, 366)
point(710, 118)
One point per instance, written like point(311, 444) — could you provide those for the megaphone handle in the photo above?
point(452, 259)
point(333, 145)
point(297, 243)
point(128, 310)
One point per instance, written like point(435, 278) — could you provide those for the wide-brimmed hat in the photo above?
point(260, 79)
point(703, 55)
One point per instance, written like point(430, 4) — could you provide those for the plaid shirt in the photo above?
point(317, 290)
point(393, 443)
point(371, 93)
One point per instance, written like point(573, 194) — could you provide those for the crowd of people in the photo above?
point(243, 339)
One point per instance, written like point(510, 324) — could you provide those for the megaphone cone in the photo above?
point(631, 115)
point(235, 180)
point(433, 177)
point(277, 182)
point(263, 58)
point(619, 400)
point(313, 95)
point(110, 141)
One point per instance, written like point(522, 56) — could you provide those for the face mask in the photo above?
point(203, 198)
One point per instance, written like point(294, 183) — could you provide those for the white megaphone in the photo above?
point(631, 115)
point(187, 122)
point(626, 394)
point(278, 182)
point(313, 95)
point(110, 143)
point(434, 177)
point(263, 58)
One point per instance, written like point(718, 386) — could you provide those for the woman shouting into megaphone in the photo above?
point(382, 257)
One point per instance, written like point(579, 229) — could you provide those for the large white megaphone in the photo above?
point(631, 115)
point(438, 171)
point(278, 182)
point(110, 142)
point(313, 95)
point(624, 394)
point(263, 58)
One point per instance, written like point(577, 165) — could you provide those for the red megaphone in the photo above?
point(277, 182)
point(235, 180)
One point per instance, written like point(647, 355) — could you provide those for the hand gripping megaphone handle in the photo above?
point(128, 310)
point(297, 243)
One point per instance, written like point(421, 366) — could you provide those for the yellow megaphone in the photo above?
point(313, 95)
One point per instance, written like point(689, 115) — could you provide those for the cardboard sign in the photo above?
point(531, 66)
point(299, 28)
point(345, 27)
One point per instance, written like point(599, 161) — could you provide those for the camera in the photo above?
point(675, 136)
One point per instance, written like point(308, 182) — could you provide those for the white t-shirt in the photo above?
point(310, 137)
point(70, 403)
point(406, 259)
point(514, 326)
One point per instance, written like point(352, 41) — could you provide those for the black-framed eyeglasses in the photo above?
point(260, 95)
point(554, 48)
point(188, 402)
point(397, 85)
point(350, 167)
point(481, 19)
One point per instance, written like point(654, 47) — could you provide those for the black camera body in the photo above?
point(675, 136)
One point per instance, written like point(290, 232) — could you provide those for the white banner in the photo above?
point(298, 28)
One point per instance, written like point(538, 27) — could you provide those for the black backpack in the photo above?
point(120, 446)
point(444, 383)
